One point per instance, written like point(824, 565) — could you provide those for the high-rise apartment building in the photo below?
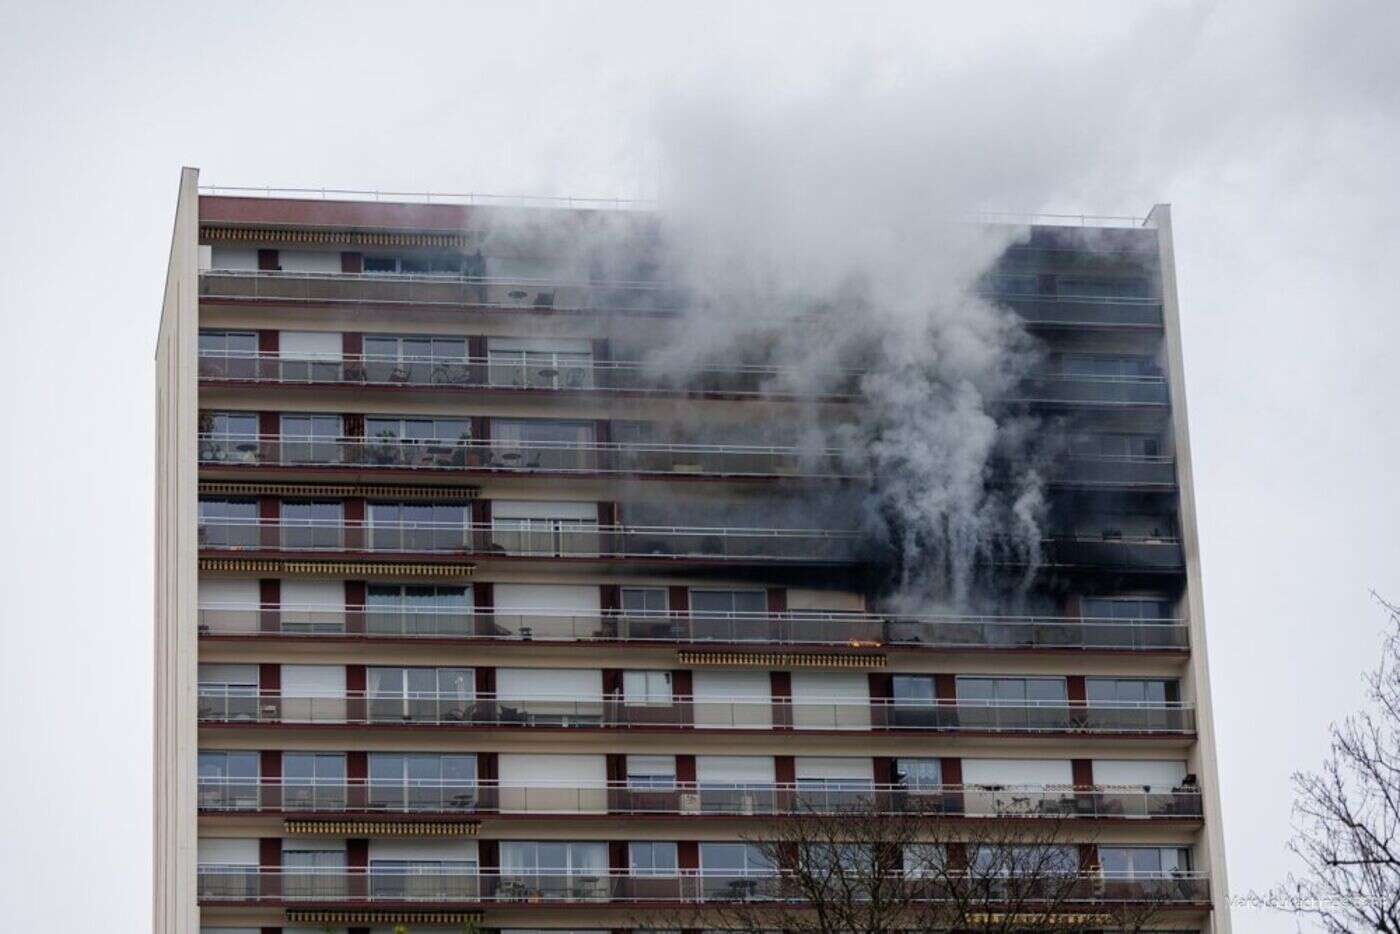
point(448, 633)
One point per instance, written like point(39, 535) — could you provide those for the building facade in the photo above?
point(444, 638)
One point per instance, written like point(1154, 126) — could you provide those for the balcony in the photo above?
point(539, 540)
point(376, 288)
point(522, 457)
point(567, 373)
point(237, 884)
point(1149, 554)
point(1099, 391)
point(1083, 311)
point(247, 706)
point(795, 628)
point(423, 797)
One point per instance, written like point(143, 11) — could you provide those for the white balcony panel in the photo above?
point(831, 601)
point(225, 604)
point(1155, 773)
point(514, 684)
point(211, 673)
point(313, 680)
point(242, 259)
point(1017, 772)
point(824, 700)
point(551, 598)
point(845, 768)
point(310, 345)
point(423, 849)
point(309, 261)
point(733, 699)
point(319, 844)
point(531, 509)
point(539, 344)
point(553, 783)
point(228, 851)
point(735, 770)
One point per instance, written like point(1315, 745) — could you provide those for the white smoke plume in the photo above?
point(829, 234)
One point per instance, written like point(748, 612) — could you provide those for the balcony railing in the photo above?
point(685, 799)
point(1070, 389)
point(542, 539)
point(795, 628)
point(513, 294)
point(1082, 311)
point(237, 705)
point(521, 456)
point(551, 372)
point(221, 883)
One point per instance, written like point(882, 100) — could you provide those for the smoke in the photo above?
point(827, 235)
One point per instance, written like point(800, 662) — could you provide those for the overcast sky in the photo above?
point(1271, 128)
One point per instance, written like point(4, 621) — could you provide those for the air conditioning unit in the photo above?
point(690, 803)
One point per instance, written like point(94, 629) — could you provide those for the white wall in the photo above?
point(239, 258)
point(308, 261)
point(1017, 772)
point(756, 770)
point(1163, 773)
point(242, 851)
point(716, 693)
point(317, 345)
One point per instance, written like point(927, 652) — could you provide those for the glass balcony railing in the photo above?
point(223, 883)
point(542, 539)
point(563, 294)
point(708, 798)
point(244, 706)
point(522, 456)
point(849, 630)
point(1069, 389)
point(434, 289)
point(538, 372)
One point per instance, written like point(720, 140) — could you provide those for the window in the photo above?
point(651, 858)
point(312, 868)
point(419, 360)
point(1023, 860)
point(540, 369)
point(924, 859)
point(651, 772)
point(639, 601)
point(228, 437)
point(646, 688)
point(228, 354)
point(228, 523)
point(1137, 609)
point(734, 870)
point(419, 264)
point(417, 442)
point(554, 869)
point(919, 774)
point(228, 692)
point(310, 439)
point(729, 615)
point(313, 780)
point(1107, 366)
point(1012, 690)
point(1143, 861)
point(1129, 691)
point(314, 525)
point(539, 443)
point(1134, 287)
point(545, 536)
point(1116, 444)
point(432, 695)
point(418, 526)
point(422, 781)
point(418, 610)
point(228, 780)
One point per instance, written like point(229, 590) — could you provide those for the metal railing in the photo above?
point(245, 705)
point(1072, 389)
point(539, 539)
point(428, 197)
point(792, 628)
point(521, 456)
point(500, 293)
point(702, 798)
point(430, 884)
point(495, 372)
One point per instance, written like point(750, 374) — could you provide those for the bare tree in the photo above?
point(1347, 814)
point(865, 868)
